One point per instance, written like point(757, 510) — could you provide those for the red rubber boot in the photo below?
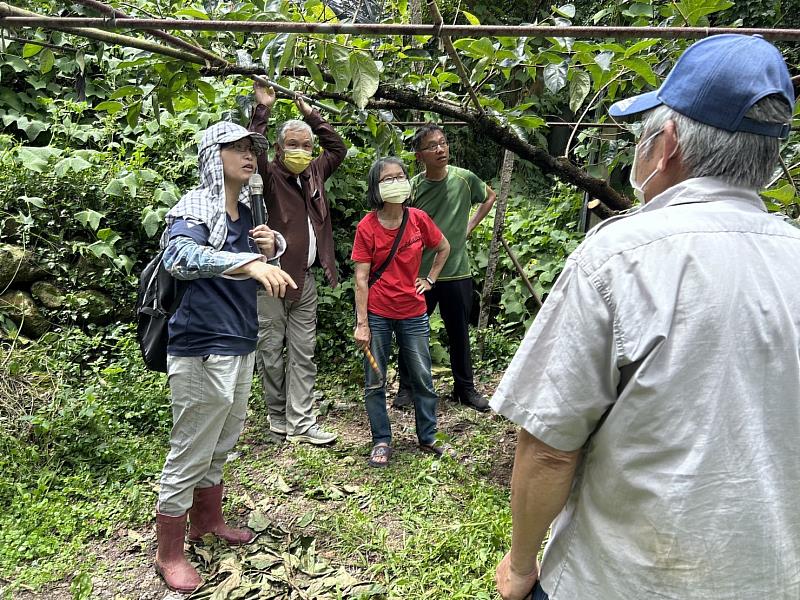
point(171, 562)
point(206, 517)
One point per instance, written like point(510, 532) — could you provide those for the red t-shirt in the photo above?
point(394, 296)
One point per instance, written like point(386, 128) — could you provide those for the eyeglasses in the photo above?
point(395, 179)
point(242, 147)
point(435, 147)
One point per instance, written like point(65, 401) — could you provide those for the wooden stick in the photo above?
point(372, 362)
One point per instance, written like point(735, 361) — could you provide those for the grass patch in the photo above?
point(78, 480)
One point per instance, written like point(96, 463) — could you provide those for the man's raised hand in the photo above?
point(264, 94)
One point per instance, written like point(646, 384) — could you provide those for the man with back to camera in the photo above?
point(447, 194)
point(294, 192)
point(658, 390)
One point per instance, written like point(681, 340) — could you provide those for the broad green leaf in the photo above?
point(528, 122)
point(124, 262)
point(126, 90)
point(133, 114)
point(287, 56)
point(313, 70)
point(15, 62)
point(639, 46)
point(101, 249)
point(35, 200)
point(178, 81)
point(579, 88)
point(473, 20)
point(187, 100)
point(566, 11)
point(165, 197)
point(208, 90)
point(31, 127)
point(604, 60)
point(273, 51)
point(365, 78)
point(193, 13)
point(152, 221)
point(148, 175)
point(482, 48)
point(117, 186)
point(46, 60)
point(638, 10)
point(784, 194)
point(89, 218)
point(110, 106)
point(463, 43)
point(555, 76)
point(598, 16)
point(29, 50)
point(642, 68)
point(108, 236)
point(74, 163)
point(694, 10)
point(36, 159)
point(338, 60)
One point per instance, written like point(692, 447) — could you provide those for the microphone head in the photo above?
point(256, 185)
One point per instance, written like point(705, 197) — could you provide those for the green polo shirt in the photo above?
point(448, 202)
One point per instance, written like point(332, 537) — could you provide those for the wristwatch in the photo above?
point(431, 281)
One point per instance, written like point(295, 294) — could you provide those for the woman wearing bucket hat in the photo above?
point(210, 241)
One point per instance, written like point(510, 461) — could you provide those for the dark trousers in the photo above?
point(454, 299)
point(539, 593)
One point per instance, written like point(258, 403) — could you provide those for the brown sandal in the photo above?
point(380, 455)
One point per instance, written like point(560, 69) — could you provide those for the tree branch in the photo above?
point(503, 135)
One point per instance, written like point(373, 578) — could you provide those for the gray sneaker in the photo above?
point(277, 425)
point(313, 435)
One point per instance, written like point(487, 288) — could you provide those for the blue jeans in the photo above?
point(413, 341)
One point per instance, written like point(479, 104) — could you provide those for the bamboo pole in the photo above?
point(193, 54)
point(382, 29)
point(451, 51)
point(521, 271)
point(100, 35)
point(494, 247)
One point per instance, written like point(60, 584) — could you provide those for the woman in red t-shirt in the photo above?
point(390, 300)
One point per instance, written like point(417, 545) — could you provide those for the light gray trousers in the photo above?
point(289, 385)
point(209, 404)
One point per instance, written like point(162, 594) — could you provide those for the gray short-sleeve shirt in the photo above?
point(669, 349)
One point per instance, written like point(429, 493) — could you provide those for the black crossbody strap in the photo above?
point(376, 274)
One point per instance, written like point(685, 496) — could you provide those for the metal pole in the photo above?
point(381, 29)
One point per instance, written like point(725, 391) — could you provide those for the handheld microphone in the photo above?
point(257, 200)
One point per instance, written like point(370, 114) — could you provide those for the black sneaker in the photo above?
point(403, 398)
point(471, 398)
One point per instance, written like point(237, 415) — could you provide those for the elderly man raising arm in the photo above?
point(659, 387)
point(294, 192)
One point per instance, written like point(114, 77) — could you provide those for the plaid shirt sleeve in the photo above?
point(184, 258)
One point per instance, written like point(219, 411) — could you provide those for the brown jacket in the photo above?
point(288, 208)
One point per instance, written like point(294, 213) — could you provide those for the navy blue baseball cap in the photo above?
point(717, 80)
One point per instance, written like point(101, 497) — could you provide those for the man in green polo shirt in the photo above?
point(447, 194)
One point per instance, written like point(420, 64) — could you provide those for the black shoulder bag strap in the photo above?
point(376, 274)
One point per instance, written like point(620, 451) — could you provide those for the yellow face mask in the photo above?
point(296, 160)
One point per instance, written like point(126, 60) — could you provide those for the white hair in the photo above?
point(740, 158)
point(293, 125)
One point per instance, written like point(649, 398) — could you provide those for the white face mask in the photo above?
point(395, 192)
point(638, 188)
